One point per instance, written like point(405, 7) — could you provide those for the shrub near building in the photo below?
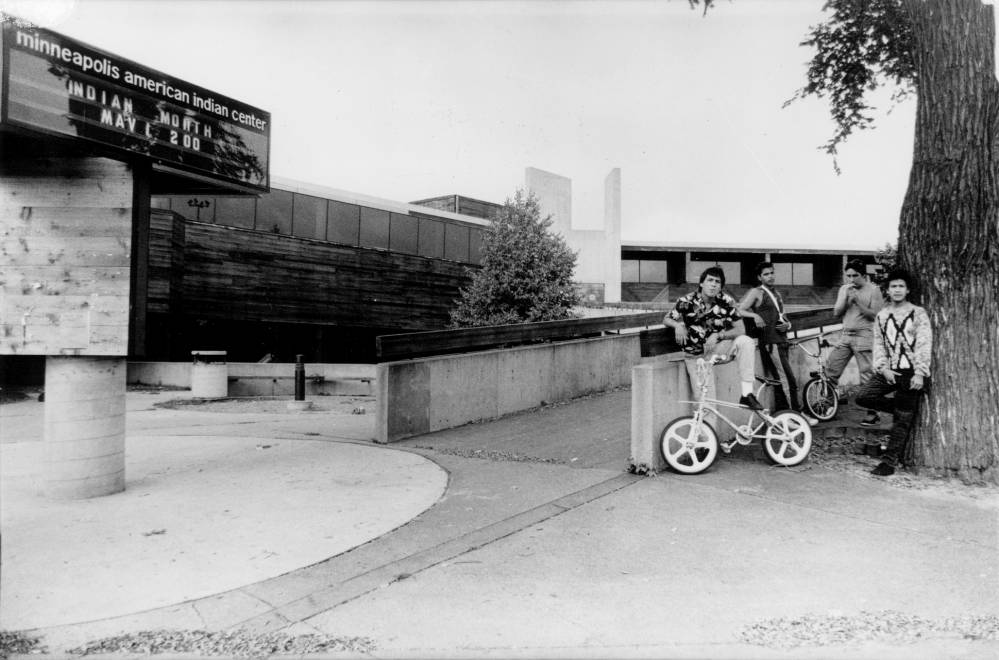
point(526, 272)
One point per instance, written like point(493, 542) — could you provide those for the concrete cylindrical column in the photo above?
point(209, 375)
point(84, 426)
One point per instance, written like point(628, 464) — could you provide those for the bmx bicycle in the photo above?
point(690, 445)
point(819, 394)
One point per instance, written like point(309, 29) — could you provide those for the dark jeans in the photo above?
point(771, 369)
point(903, 408)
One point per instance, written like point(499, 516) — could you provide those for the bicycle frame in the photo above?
point(745, 433)
point(690, 443)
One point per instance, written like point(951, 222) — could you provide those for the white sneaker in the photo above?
point(808, 418)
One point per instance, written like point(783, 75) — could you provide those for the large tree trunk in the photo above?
point(949, 234)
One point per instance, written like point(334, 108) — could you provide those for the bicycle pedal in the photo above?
point(726, 447)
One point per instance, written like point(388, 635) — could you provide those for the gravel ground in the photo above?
point(234, 644)
point(342, 405)
point(491, 455)
point(18, 642)
point(884, 626)
point(838, 454)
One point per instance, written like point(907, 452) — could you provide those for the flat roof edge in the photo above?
point(747, 247)
point(346, 196)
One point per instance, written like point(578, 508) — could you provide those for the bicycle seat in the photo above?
point(769, 381)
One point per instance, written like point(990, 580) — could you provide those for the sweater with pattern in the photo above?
point(903, 339)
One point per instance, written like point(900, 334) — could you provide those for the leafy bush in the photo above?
point(526, 272)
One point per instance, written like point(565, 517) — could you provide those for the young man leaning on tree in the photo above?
point(903, 340)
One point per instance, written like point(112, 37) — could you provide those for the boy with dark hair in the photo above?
point(764, 305)
point(857, 304)
point(706, 322)
point(902, 346)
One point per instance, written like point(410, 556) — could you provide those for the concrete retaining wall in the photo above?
point(659, 384)
point(430, 394)
point(264, 379)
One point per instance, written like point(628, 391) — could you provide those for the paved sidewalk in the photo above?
point(542, 546)
point(213, 502)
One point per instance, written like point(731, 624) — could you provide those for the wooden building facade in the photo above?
point(300, 270)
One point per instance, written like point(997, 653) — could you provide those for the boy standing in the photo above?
point(765, 306)
point(857, 304)
point(902, 345)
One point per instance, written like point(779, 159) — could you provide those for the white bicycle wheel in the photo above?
point(788, 441)
point(686, 449)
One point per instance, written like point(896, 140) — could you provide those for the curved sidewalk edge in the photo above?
point(200, 517)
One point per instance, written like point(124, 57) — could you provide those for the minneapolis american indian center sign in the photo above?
point(58, 86)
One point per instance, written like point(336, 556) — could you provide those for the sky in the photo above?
point(415, 99)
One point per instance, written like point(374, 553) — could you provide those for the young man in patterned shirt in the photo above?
point(903, 340)
point(707, 322)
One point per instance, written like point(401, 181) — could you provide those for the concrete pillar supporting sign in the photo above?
point(84, 426)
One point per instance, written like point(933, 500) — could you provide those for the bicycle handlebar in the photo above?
point(820, 340)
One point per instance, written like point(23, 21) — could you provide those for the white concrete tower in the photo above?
point(598, 266)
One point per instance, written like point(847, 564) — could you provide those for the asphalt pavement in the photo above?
point(520, 537)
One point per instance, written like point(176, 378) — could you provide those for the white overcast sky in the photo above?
point(406, 100)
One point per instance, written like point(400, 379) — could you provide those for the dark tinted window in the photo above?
point(235, 211)
point(431, 238)
point(344, 223)
point(630, 271)
point(374, 228)
point(455, 242)
point(309, 217)
point(653, 271)
point(403, 233)
point(274, 212)
point(475, 246)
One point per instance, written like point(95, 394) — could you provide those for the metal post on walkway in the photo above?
point(299, 378)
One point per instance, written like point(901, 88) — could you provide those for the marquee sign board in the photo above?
point(58, 86)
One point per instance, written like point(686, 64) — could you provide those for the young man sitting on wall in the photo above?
point(707, 322)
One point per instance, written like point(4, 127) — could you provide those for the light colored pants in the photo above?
point(852, 343)
point(744, 350)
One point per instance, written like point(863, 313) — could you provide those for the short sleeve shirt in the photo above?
point(702, 319)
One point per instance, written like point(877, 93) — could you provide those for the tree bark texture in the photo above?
point(949, 235)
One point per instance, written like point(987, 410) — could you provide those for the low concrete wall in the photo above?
point(264, 379)
point(430, 394)
point(659, 384)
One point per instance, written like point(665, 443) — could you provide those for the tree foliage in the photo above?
point(526, 272)
point(862, 45)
